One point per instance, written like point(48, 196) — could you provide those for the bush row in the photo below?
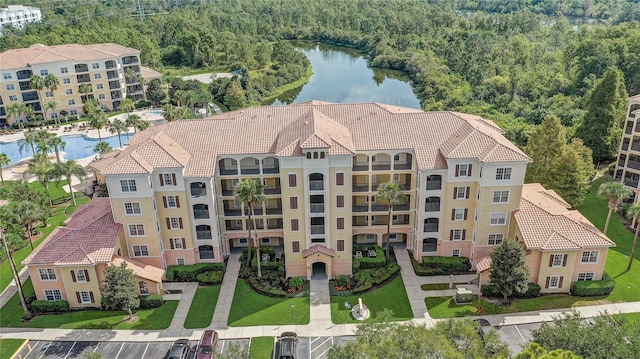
point(267, 290)
point(45, 306)
point(593, 288)
point(368, 262)
point(436, 265)
point(151, 301)
point(189, 273)
point(367, 278)
point(268, 266)
point(211, 277)
point(489, 290)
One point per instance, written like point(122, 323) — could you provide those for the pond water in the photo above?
point(341, 75)
point(77, 147)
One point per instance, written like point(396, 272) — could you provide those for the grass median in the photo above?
point(261, 348)
point(202, 307)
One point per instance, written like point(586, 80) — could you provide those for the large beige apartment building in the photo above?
point(109, 69)
point(628, 166)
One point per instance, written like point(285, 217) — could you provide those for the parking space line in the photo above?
point(519, 333)
point(145, 350)
point(222, 347)
point(326, 340)
point(323, 353)
point(70, 349)
point(96, 348)
point(122, 346)
point(45, 350)
point(316, 338)
point(309, 347)
point(30, 348)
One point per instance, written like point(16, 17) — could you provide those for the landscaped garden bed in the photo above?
point(205, 273)
point(437, 265)
point(273, 282)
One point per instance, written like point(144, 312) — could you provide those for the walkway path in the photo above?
point(12, 289)
point(320, 303)
point(412, 285)
point(221, 313)
point(188, 292)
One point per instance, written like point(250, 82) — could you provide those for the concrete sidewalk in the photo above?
point(188, 292)
point(12, 289)
point(412, 285)
point(227, 290)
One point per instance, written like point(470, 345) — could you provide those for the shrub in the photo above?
point(363, 287)
point(342, 280)
point(592, 288)
point(489, 290)
point(296, 282)
point(368, 262)
point(189, 273)
point(211, 277)
point(151, 301)
point(436, 265)
point(267, 266)
point(45, 306)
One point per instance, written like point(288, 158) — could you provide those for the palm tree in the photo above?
point(51, 82)
point(90, 106)
point(7, 218)
point(28, 214)
point(4, 161)
point(614, 193)
point(29, 139)
point(103, 147)
point(634, 213)
point(58, 144)
point(68, 170)
point(15, 111)
point(53, 106)
point(85, 89)
point(43, 140)
point(98, 119)
point(118, 126)
point(170, 113)
point(29, 113)
point(37, 83)
point(132, 121)
point(41, 167)
point(127, 105)
point(250, 192)
point(142, 125)
point(392, 193)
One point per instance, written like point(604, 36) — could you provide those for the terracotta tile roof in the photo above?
point(547, 223)
point(149, 74)
point(89, 238)
point(483, 263)
point(41, 54)
point(342, 128)
point(318, 249)
point(141, 270)
point(635, 98)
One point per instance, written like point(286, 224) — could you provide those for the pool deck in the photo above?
point(17, 171)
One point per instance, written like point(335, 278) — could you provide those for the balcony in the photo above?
point(431, 227)
point(379, 208)
point(114, 85)
point(24, 74)
point(317, 229)
point(127, 60)
point(316, 185)
point(360, 208)
point(81, 68)
point(198, 189)
point(317, 207)
point(203, 234)
point(629, 128)
point(274, 223)
point(398, 165)
point(271, 169)
point(29, 96)
point(206, 252)
point(434, 185)
point(228, 170)
point(25, 85)
point(201, 214)
point(272, 190)
point(82, 79)
point(360, 188)
point(115, 95)
point(110, 64)
point(253, 170)
point(401, 207)
point(631, 164)
point(232, 212)
point(401, 220)
point(360, 221)
point(432, 207)
point(360, 166)
point(233, 226)
point(381, 166)
point(274, 210)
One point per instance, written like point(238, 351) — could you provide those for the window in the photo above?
point(167, 179)
point(52, 294)
point(457, 234)
point(66, 81)
point(430, 245)
point(97, 76)
point(495, 239)
point(136, 230)
point(293, 202)
point(590, 257)
point(71, 102)
point(461, 192)
point(132, 208)
point(95, 65)
point(177, 243)
point(463, 170)
point(340, 201)
point(180, 261)
point(140, 251)
point(47, 274)
point(557, 260)
point(500, 196)
point(293, 181)
point(99, 86)
point(295, 246)
point(84, 297)
point(13, 98)
point(6, 76)
point(128, 185)
point(73, 112)
point(554, 282)
point(171, 201)
point(339, 179)
point(340, 223)
point(11, 87)
point(174, 223)
point(68, 92)
point(498, 218)
point(294, 224)
point(455, 253)
point(585, 276)
point(48, 94)
point(64, 70)
point(44, 72)
point(503, 174)
point(340, 245)
point(370, 237)
point(102, 96)
point(459, 214)
point(81, 275)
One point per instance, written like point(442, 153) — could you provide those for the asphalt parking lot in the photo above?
point(517, 336)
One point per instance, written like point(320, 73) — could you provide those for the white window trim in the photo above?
point(178, 261)
point(553, 262)
point(590, 262)
point(593, 276)
point(167, 179)
point(500, 198)
point(48, 275)
point(177, 223)
point(466, 170)
point(82, 298)
point(499, 215)
point(137, 235)
point(557, 280)
point(53, 292)
point(175, 202)
point(458, 211)
point(140, 246)
point(77, 274)
point(133, 208)
point(495, 239)
point(455, 253)
point(504, 170)
point(177, 242)
point(459, 234)
point(461, 194)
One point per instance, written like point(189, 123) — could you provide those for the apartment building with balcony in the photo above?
point(628, 162)
point(18, 16)
point(321, 164)
point(112, 72)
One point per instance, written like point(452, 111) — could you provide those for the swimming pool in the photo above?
point(155, 112)
point(77, 147)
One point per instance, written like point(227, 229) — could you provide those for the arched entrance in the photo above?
point(319, 270)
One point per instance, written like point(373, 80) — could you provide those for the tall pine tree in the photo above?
point(509, 269)
point(601, 126)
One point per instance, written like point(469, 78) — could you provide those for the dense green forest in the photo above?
point(513, 64)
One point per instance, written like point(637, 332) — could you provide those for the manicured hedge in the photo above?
point(593, 288)
point(369, 263)
point(367, 278)
point(151, 301)
point(211, 277)
point(189, 273)
point(489, 290)
point(267, 266)
point(45, 306)
point(268, 291)
point(435, 265)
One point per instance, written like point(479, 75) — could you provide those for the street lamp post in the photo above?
point(292, 305)
point(347, 306)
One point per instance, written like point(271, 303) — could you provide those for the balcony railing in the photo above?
point(431, 227)
point(360, 188)
point(432, 207)
point(401, 221)
point(401, 207)
point(227, 171)
point(360, 167)
point(360, 221)
point(316, 185)
point(360, 208)
point(203, 235)
point(269, 170)
point(201, 213)
point(635, 147)
point(379, 207)
point(405, 186)
point(631, 164)
point(434, 185)
point(317, 229)
point(631, 183)
point(402, 166)
point(274, 210)
point(250, 170)
point(272, 190)
point(317, 207)
point(200, 192)
point(232, 212)
point(381, 166)
point(274, 224)
point(233, 226)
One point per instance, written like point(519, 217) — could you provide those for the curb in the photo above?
point(24, 343)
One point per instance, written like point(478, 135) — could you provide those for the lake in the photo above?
point(341, 75)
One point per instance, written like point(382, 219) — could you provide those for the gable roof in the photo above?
point(547, 223)
point(89, 238)
point(141, 270)
point(341, 129)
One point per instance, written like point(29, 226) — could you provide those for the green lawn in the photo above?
point(437, 286)
point(446, 307)
point(58, 216)
point(149, 319)
point(202, 307)
point(261, 348)
point(8, 347)
point(392, 296)
point(250, 308)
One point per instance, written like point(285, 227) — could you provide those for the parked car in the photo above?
point(287, 344)
point(179, 349)
point(207, 345)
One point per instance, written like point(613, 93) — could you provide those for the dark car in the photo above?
point(179, 349)
point(207, 345)
point(288, 343)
